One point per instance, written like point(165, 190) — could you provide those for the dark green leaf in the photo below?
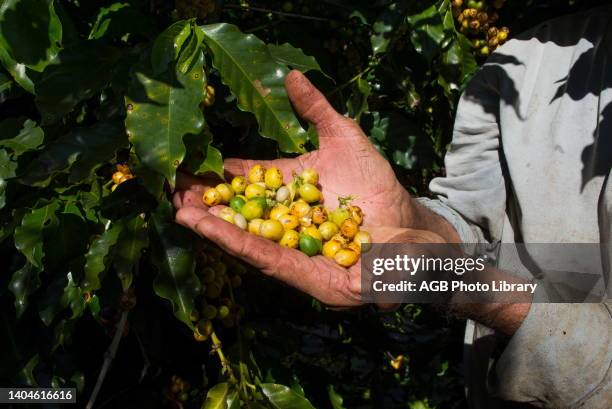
point(24, 282)
point(427, 32)
point(293, 57)
point(7, 170)
point(20, 139)
point(257, 82)
point(386, 25)
point(202, 157)
point(168, 45)
point(20, 73)
point(97, 257)
point(161, 111)
point(59, 295)
point(334, 398)
point(217, 397)
point(30, 31)
point(281, 397)
point(76, 74)
point(132, 240)
point(173, 255)
point(120, 20)
point(78, 153)
point(29, 234)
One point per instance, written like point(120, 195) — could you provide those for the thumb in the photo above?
point(308, 101)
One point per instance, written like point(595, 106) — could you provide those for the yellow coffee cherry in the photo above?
point(212, 197)
point(117, 177)
point(328, 230)
point(226, 191)
point(254, 190)
point(310, 193)
point(227, 214)
point(310, 175)
point(273, 178)
point(312, 231)
point(330, 248)
point(257, 174)
point(364, 240)
point(239, 184)
point(240, 221)
point(289, 221)
point(125, 178)
point(278, 210)
point(349, 228)
point(290, 239)
point(252, 210)
point(271, 230)
point(282, 194)
point(346, 257)
point(254, 226)
point(354, 246)
point(340, 238)
point(300, 209)
point(356, 213)
point(305, 221)
point(319, 215)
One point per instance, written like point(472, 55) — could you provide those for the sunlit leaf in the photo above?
point(293, 57)
point(29, 234)
point(257, 82)
point(282, 397)
point(20, 135)
point(427, 32)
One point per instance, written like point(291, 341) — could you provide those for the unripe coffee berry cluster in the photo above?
point(292, 214)
point(219, 274)
point(122, 174)
point(477, 20)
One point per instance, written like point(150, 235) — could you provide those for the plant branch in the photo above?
point(216, 348)
point(108, 359)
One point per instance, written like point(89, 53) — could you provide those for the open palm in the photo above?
point(348, 165)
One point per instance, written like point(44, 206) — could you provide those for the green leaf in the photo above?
point(168, 45)
point(458, 63)
point(97, 257)
point(202, 157)
point(7, 170)
point(20, 73)
point(173, 255)
point(357, 104)
point(281, 397)
point(132, 240)
point(76, 74)
point(334, 398)
point(217, 397)
point(30, 31)
point(386, 25)
point(161, 111)
point(293, 57)
point(65, 241)
point(20, 139)
point(120, 20)
point(257, 82)
point(23, 283)
point(427, 33)
point(77, 153)
point(59, 295)
point(29, 234)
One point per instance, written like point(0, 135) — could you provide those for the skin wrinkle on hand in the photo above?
point(349, 165)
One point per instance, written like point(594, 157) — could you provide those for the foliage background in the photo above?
point(72, 251)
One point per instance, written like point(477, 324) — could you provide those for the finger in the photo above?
point(308, 101)
point(272, 259)
point(187, 198)
point(240, 167)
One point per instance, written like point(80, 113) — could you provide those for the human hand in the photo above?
point(347, 162)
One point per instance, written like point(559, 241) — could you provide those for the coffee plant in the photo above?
point(103, 102)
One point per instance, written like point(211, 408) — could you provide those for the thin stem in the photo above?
point(349, 82)
point(279, 13)
point(216, 344)
point(108, 359)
